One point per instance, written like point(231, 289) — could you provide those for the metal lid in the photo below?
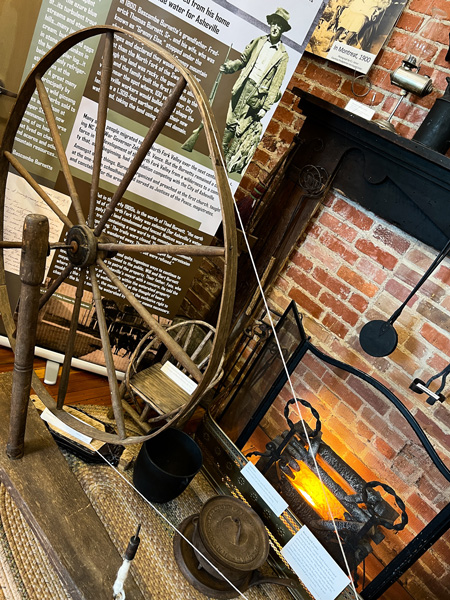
point(233, 533)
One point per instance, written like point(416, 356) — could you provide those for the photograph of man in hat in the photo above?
point(263, 66)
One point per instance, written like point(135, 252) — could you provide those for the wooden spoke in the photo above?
point(105, 84)
point(37, 188)
point(10, 245)
point(175, 349)
point(109, 360)
point(87, 249)
point(70, 345)
point(152, 134)
point(55, 285)
point(48, 111)
point(202, 344)
point(173, 250)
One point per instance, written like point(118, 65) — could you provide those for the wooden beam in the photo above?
point(58, 511)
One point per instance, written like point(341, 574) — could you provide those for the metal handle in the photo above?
point(6, 92)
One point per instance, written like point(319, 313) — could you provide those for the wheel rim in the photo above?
point(90, 247)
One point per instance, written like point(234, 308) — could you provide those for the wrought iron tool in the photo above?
point(379, 338)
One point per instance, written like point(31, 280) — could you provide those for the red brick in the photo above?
point(435, 565)
point(363, 431)
point(380, 79)
point(442, 414)
point(352, 214)
point(322, 76)
point(405, 131)
point(344, 251)
point(432, 428)
point(335, 285)
point(313, 363)
point(358, 282)
point(371, 270)
point(420, 260)
point(370, 396)
point(420, 507)
point(306, 303)
point(434, 314)
point(443, 274)
point(416, 347)
point(328, 96)
point(321, 253)
point(337, 426)
point(432, 290)
point(306, 283)
point(339, 308)
point(440, 60)
point(384, 448)
point(409, 22)
point(338, 227)
point(342, 390)
point(282, 284)
point(400, 41)
point(358, 302)
point(436, 364)
point(273, 128)
point(404, 361)
point(393, 240)
point(279, 299)
point(399, 291)
point(387, 60)
point(437, 339)
point(336, 326)
point(382, 257)
point(301, 261)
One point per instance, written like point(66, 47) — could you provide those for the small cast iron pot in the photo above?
point(232, 537)
point(166, 464)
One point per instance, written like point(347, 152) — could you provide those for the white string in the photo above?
point(197, 551)
point(316, 466)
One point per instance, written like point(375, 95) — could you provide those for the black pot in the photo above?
point(166, 464)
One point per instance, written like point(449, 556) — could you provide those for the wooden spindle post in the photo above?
point(32, 269)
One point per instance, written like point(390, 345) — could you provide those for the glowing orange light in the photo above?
point(309, 486)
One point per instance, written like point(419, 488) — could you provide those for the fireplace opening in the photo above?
point(376, 463)
point(325, 493)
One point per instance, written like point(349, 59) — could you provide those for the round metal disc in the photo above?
point(233, 533)
point(378, 338)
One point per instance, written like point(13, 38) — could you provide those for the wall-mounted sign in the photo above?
point(243, 54)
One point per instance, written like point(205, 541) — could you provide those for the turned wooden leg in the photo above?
point(32, 269)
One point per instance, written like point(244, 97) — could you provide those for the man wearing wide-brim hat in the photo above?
point(263, 67)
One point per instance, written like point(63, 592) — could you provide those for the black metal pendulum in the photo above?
point(379, 338)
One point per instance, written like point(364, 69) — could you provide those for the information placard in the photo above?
point(318, 572)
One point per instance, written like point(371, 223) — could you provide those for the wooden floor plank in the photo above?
point(59, 512)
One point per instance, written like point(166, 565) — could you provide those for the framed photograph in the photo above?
point(352, 32)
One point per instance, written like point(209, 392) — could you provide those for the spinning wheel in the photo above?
point(87, 246)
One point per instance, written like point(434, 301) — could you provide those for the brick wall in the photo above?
point(351, 267)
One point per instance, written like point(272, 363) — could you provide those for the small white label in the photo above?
point(351, 57)
point(178, 377)
point(48, 416)
point(268, 493)
point(317, 570)
point(358, 108)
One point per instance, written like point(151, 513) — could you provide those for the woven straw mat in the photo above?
point(25, 571)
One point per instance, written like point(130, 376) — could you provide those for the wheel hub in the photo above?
point(83, 242)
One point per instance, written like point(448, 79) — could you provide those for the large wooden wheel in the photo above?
point(89, 246)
